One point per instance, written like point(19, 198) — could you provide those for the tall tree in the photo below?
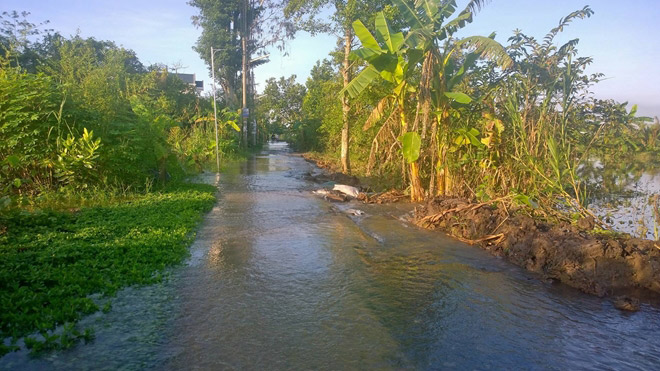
point(219, 21)
point(305, 14)
point(321, 110)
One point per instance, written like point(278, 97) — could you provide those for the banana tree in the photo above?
point(444, 66)
point(427, 44)
point(389, 58)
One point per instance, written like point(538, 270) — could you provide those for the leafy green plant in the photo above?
point(76, 160)
point(516, 122)
point(410, 146)
point(50, 261)
point(27, 103)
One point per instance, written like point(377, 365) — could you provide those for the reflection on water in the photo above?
point(621, 191)
point(279, 279)
point(631, 211)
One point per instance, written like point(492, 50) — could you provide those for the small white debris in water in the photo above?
point(355, 212)
point(347, 190)
point(321, 192)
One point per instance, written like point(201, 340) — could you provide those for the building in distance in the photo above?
point(189, 78)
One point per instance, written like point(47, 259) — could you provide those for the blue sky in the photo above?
point(622, 37)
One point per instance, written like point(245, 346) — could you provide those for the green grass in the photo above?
point(52, 261)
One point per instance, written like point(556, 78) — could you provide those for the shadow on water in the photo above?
point(279, 279)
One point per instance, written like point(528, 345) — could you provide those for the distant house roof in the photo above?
point(188, 78)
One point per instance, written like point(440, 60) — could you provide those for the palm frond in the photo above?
point(454, 25)
point(446, 11)
point(585, 12)
point(474, 6)
point(489, 49)
point(430, 8)
point(366, 38)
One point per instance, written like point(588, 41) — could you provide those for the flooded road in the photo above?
point(281, 279)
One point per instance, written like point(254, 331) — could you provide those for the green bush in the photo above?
point(28, 104)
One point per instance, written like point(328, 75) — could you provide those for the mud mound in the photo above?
point(595, 264)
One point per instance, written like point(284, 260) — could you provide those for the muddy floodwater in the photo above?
point(281, 279)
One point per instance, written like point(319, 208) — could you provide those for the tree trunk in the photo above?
point(422, 113)
point(416, 189)
point(345, 108)
point(444, 180)
point(433, 187)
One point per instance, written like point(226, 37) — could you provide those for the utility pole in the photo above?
point(253, 124)
point(215, 113)
point(244, 37)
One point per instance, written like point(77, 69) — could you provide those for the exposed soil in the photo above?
point(602, 265)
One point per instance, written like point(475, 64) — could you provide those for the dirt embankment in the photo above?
point(596, 264)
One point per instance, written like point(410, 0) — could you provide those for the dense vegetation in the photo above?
point(93, 146)
point(470, 117)
point(78, 114)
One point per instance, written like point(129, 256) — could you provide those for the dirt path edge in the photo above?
point(601, 265)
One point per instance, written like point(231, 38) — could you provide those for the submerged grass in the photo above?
point(52, 261)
